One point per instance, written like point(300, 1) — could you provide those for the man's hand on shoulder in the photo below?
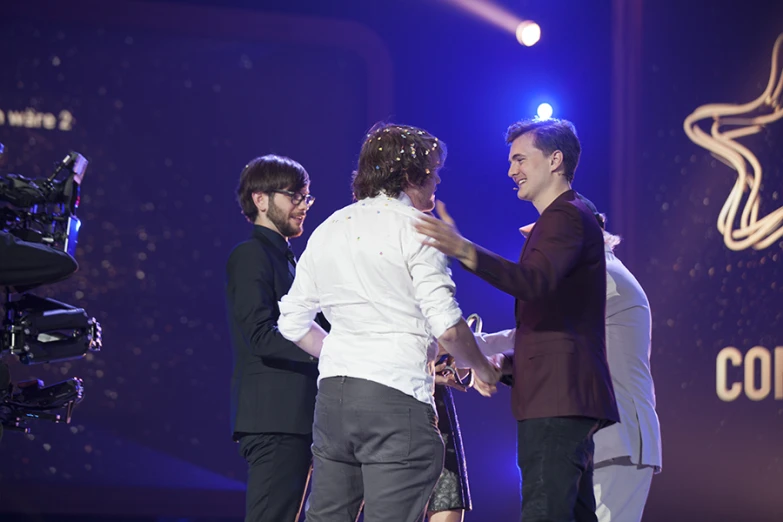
point(443, 235)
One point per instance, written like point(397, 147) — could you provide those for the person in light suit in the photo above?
point(628, 453)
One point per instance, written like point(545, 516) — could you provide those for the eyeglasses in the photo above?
point(297, 198)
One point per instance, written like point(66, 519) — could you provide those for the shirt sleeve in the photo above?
point(491, 344)
point(301, 304)
point(497, 342)
point(434, 288)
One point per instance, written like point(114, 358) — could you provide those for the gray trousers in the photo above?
point(372, 443)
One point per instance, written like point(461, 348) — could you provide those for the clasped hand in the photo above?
point(446, 375)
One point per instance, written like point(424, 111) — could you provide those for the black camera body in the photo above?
point(44, 210)
point(39, 231)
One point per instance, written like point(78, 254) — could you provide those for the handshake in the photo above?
point(483, 377)
point(463, 378)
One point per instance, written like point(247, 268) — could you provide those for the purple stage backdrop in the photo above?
point(717, 304)
point(167, 117)
point(169, 102)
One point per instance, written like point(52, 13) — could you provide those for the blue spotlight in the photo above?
point(544, 111)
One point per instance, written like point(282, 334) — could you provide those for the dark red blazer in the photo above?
point(560, 366)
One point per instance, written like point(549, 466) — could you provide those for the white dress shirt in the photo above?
point(387, 296)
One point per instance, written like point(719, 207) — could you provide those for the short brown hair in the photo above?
point(266, 174)
point(394, 157)
point(549, 136)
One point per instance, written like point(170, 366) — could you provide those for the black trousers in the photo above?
point(278, 467)
point(555, 457)
point(374, 443)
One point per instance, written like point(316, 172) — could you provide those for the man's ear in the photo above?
point(555, 161)
point(261, 201)
point(407, 180)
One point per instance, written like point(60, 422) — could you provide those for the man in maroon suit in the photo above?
point(562, 391)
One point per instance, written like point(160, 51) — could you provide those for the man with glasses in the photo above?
point(273, 386)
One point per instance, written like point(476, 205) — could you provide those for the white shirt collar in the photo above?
point(402, 198)
point(405, 199)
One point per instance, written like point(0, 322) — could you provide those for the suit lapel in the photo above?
point(277, 257)
point(521, 257)
point(564, 195)
point(291, 269)
point(524, 247)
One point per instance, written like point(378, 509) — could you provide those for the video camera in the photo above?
point(44, 211)
point(39, 231)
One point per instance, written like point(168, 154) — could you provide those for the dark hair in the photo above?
point(549, 136)
point(266, 174)
point(601, 218)
point(394, 157)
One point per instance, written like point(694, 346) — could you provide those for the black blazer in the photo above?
point(273, 385)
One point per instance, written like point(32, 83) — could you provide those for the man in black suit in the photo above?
point(273, 386)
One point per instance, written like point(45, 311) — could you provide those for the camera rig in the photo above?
point(39, 222)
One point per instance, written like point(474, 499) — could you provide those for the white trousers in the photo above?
point(621, 490)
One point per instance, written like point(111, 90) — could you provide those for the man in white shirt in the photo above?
point(389, 298)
